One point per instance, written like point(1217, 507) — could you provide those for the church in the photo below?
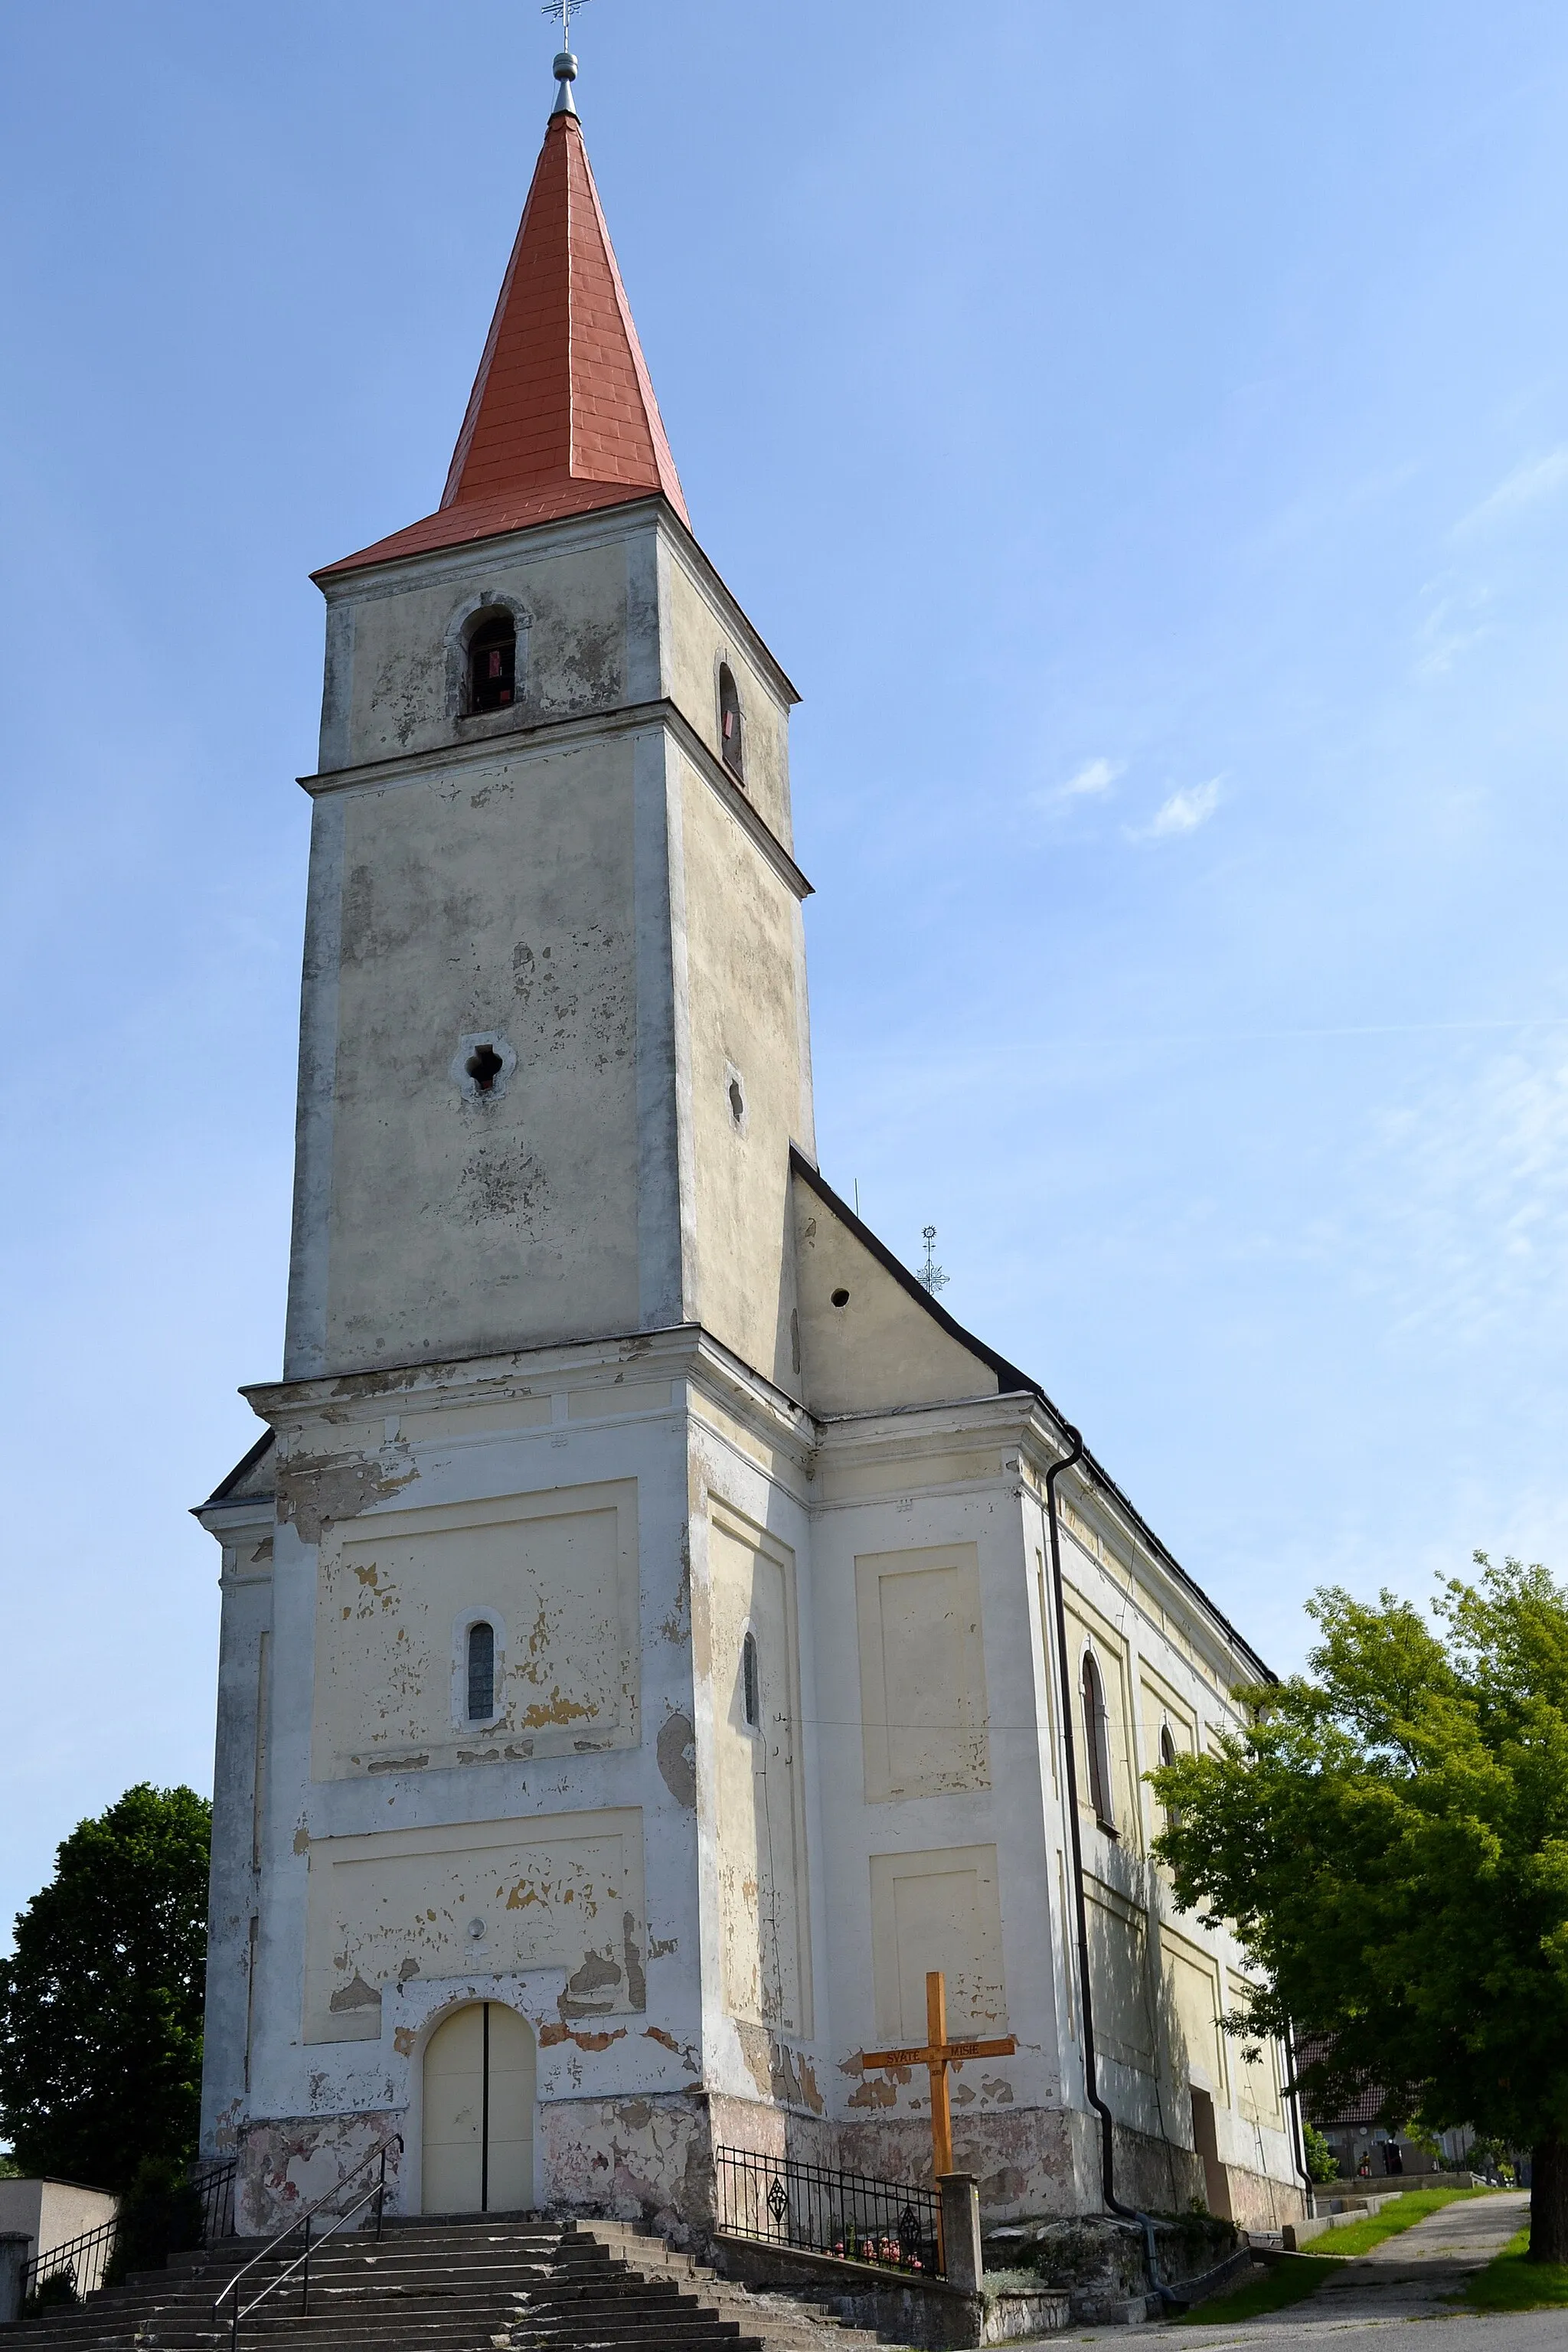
point(655, 1634)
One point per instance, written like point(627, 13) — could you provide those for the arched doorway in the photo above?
point(479, 2113)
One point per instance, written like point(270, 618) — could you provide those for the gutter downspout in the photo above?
point(1299, 2136)
point(1086, 2003)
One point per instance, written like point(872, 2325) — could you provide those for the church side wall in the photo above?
point(1163, 1984)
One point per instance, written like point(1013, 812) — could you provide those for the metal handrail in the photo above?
point(375, 2192)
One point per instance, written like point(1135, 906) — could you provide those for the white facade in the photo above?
point(589, 1354)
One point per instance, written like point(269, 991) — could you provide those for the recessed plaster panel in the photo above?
point(922, 1672)
point(1192, 1999)
point(939, 1909)
point(1255, 2066)
point(761, 1822)
point(562, 1892)
point(493, 902)
point(1126, 2001)
point(878, 1347)
point(556, 1571)
point(750, 1091)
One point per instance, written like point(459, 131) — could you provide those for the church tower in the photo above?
point(637, 1664)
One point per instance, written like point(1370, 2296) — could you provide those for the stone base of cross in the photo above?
point(937, 2055)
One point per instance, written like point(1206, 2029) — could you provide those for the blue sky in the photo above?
point(1141, 432)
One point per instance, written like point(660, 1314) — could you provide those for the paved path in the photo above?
point(1405, 2279)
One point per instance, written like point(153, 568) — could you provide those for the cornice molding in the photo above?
point(565, 532)
point(554, 734)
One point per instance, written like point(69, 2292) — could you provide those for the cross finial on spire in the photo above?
point(561, 12)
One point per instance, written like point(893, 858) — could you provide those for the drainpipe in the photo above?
point(1299, 2136)
point(1086, 2002)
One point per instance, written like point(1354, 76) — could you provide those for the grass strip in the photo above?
point(1289, 2278)
point(1511, 2282)
point(1361, 2237)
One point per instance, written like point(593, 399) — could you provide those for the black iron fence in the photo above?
point(66, 2273)
point(214, 2184)
point(783, 2203)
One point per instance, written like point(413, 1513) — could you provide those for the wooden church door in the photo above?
point(479, 2113)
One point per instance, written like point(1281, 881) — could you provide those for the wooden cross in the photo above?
point(939, 2054)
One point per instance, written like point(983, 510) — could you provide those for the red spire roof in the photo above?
point(562, 418)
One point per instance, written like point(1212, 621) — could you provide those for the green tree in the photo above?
point(1390, 1837)
point(1320, 2162)
point(101, 2003)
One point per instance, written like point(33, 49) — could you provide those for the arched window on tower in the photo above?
point(730, 736)
point(1097, 1744)
point(492, 663)
point(481, 1662)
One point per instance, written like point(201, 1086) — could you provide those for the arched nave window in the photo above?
point(1096, 1743)
point(481, 1665)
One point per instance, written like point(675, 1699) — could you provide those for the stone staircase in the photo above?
point(479, 2284)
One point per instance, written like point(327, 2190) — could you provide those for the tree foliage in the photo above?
point(101, 2003)
point(1390, 1837)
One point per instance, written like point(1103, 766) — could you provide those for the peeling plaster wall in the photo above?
point(394, 674)
point(457, 1460)
point(497, 902)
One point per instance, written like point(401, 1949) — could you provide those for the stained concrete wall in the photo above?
point(49, 2213)
point(575, 885)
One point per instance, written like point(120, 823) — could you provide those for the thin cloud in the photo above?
point(1092, 782)
point(1188, 807)
point(1528, 486)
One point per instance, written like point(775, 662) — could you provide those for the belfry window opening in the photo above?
point(1097, 1744)
point(751, 1686)
point(492, 664)
point(731, 738)
point(481, 1665)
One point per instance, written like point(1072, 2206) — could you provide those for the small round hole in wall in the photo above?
point(483, 1065)
point(841, 1299)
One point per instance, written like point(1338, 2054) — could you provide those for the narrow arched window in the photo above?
point(492, 663)
point(751, 1686)
point(1097, 1744)
point(1167, 1757)
point(730, 739)
point(482, 1671)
